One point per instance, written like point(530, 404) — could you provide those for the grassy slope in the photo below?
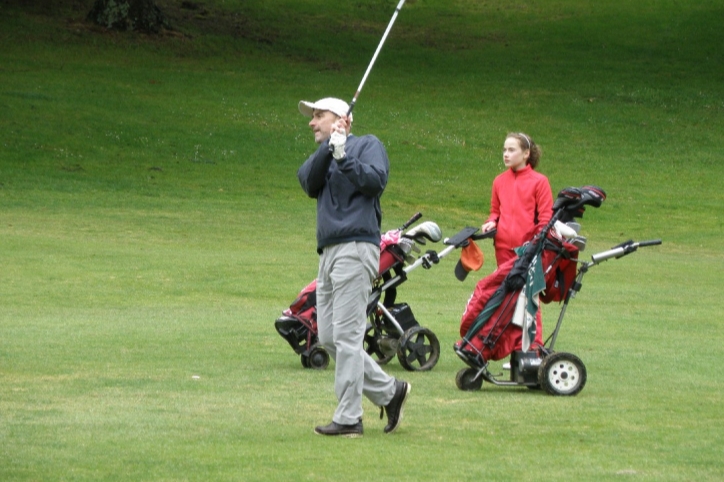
point(152, 229)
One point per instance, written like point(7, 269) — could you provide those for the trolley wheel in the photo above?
point(305, 360)
point(372, 346)
point(562, 374)
point(419, 349)
point(466, 381)
point(318, 358)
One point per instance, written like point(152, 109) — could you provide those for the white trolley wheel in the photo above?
point(562, 374)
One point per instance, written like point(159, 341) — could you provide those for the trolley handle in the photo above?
point(622, 250)
point(485, 235)
point(461, 239)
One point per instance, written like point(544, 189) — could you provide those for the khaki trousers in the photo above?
point(344, 284)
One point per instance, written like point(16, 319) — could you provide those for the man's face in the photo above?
point(321, 124)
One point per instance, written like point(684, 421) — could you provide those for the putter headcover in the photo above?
point(427, 230)
point(564, 230)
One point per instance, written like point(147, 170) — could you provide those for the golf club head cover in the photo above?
point(428, 229)
point(593, 195)
point(573, 201)
point(337, 142)
point(566, 197)
point(564, 230)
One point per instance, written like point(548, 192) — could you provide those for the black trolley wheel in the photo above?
point(318, 358)
point(419, 349)
point(466, 381)
point(305, 360)
point(371, 345)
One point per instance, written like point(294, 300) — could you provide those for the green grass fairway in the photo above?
point(152, 229)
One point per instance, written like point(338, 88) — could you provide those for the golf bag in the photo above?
point(392, 328)
point(502, 316)
point(502, 332)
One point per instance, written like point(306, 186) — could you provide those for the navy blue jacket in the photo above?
point(347, 193)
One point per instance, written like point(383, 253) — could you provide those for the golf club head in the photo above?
point(574, 226)
point(406, 245)
point(579, 242)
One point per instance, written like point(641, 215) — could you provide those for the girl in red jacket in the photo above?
point(522, 201)
point(521, 205)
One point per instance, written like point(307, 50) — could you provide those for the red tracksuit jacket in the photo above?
point(521, 204)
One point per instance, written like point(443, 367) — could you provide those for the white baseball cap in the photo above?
point(332, 104)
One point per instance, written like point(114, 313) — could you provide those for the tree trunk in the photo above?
point(137, 15)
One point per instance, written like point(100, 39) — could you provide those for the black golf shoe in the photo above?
point(339, 430)
point(394, 408)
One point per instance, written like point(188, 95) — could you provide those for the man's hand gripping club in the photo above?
point(338, 138)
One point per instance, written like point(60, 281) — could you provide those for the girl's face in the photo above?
point(514, 156)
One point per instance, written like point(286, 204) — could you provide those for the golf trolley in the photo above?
point(392, 329)
point(492, 331)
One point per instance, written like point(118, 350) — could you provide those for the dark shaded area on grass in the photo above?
point(129, 15)
point(182, 18)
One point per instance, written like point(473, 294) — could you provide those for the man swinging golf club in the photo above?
point(347, 175)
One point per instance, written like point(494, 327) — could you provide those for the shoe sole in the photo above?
point(402, 409)
point(342, 435)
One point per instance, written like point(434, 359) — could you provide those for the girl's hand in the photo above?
point(488, 226)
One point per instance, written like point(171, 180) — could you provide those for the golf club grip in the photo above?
point(409, 222)
point(652, 242)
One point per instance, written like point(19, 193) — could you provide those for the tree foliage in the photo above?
point(127, 15)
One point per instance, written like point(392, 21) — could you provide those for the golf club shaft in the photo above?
point(410, 221)
point(374, 57)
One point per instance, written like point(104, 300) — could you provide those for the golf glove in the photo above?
point(336, 144)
